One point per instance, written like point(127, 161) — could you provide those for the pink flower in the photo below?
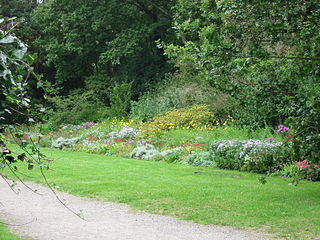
point(303, 164)
point(270, 139)
point(282, 128)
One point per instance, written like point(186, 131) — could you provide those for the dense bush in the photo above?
point(305, 121)
point(76, 108)
point(120, 98)
point(152, 104)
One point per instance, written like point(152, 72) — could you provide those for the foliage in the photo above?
point(267, 65)
point(145, 152)
point(62, 143)
point(305, 115)
point(103, 41)
point(120, 97)
point(76, 108)
point(205, 159)
point(197, 117)
point(151, 104)
point(15, 70)
point(251, 155)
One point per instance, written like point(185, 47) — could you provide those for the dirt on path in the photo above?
point(43, 217)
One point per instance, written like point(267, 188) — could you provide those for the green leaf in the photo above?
point(8, 39)
point(19, 53)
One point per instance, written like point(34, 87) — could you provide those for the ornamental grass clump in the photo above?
point(251, 155)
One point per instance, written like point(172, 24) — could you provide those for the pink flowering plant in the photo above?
point(285, 132)
point(309, 171)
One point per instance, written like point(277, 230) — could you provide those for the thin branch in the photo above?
point(19, 225)
point(20, 180)
point(57, 197)
point(5, 179)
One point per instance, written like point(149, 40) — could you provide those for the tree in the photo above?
point(264, 54)
point(114, 38)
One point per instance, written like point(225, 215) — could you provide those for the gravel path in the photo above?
point(44, 218)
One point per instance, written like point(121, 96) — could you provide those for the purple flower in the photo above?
point(270, 139)
point(88, 124)
point(282, 128)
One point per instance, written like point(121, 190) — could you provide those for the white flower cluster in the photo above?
point(64, 142)
point(125, 132)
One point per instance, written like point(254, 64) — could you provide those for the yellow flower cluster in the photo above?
point(122, 123)
point(197, 117)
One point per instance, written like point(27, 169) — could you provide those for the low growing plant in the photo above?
point(251, 155)
point(205, 159)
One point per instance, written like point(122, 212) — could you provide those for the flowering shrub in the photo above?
point(194, 117)
point(197, 117)
point(309, 171)
point(251, 155)
point(125, 132)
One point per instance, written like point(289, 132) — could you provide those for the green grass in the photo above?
point(5, 235)
point(176, 136)
point(211, 197)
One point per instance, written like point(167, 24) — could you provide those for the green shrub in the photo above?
point(172, 156)
point(178, 93)
point(76, 108)
point(200, 159)
point(152, 104)
point(120, 98)
point(252, 155)
point(145, 152)
point(304, 109)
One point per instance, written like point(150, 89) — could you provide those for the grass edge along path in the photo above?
point(6, 235)
point(201, 195)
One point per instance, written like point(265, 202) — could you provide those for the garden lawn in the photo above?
point(202, 195)
point(5, 235)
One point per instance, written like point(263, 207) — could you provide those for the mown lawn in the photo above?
point(203, 195)
point(5, 235)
